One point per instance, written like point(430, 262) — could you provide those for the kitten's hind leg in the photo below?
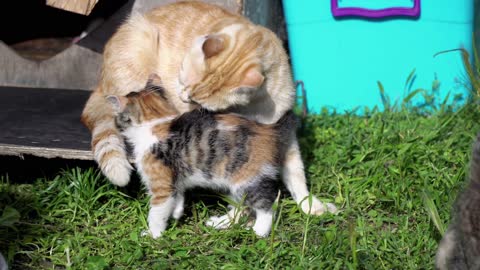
point(263, 222)
point(179, 205)
point(260, 196)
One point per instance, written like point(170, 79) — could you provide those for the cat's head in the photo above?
point(222, 69)
point(139, 107)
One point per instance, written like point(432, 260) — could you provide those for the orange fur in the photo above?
point(161, 131)
point(160, 179)
point(264, 150)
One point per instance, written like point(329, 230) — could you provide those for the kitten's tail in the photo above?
point(107, 144)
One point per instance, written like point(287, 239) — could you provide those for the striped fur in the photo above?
point(213, 58)
point(201, 148)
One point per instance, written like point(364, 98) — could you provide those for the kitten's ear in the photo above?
point(253, 78)
point(154, 80)
point(213, 45)
point(118, 103)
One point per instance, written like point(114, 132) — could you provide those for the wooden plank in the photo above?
point(235, 6)
point(83, 7)
point(45, 152)
point(43, 122)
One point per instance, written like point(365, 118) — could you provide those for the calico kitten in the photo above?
point(460, 246)
point(202, 149)
point(211, 57)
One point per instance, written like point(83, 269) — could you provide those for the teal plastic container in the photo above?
point(340, 59)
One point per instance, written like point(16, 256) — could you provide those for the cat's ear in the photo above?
point(194, 64)
point(118, 103)
point(252, 78)
point(213, 45)
point(154, 81)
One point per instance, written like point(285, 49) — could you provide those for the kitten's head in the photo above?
point(139, 107)
point(222, 69)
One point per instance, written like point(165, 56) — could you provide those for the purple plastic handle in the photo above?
point(376, 13)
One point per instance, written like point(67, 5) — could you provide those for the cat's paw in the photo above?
point(177, 213)
point(316, 207)
point(117, 170)
point(179, 208)
point(154, 234)
point(262, 229)
point(221, 222)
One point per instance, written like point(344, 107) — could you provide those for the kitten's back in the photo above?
point(226, 146)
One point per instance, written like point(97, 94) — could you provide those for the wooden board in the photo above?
point(83, 7)
point(43, 122)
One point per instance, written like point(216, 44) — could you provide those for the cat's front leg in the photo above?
point(159, 214)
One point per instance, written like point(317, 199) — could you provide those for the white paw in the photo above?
point(263, 223)
point(179, 206)
point(261, 232)
point(117, 170)
point(177, 212)
point(261, 229)
point(152, 233)
point(221, 222)
point(316, 207)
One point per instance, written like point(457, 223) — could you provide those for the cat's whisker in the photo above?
point(149, 91)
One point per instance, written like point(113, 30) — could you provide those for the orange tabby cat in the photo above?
point(205, 55)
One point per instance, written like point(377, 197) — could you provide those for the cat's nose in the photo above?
point(185, 97)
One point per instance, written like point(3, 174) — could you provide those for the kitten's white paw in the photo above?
point(117, 170)
point(177, 213)
point(263, 223)
point(317, 207)
point(179, 207)
point(261, 232)
point(152, 233)
point(221, 222)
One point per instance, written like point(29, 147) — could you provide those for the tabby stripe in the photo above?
point(110, 143)
point(103, 127)
point(200, 152)
point(212, 142)
point(188, 137)
point(240, 153)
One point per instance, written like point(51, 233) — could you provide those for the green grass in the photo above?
point(395, 175)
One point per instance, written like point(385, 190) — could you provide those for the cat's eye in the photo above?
point(125, 118)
